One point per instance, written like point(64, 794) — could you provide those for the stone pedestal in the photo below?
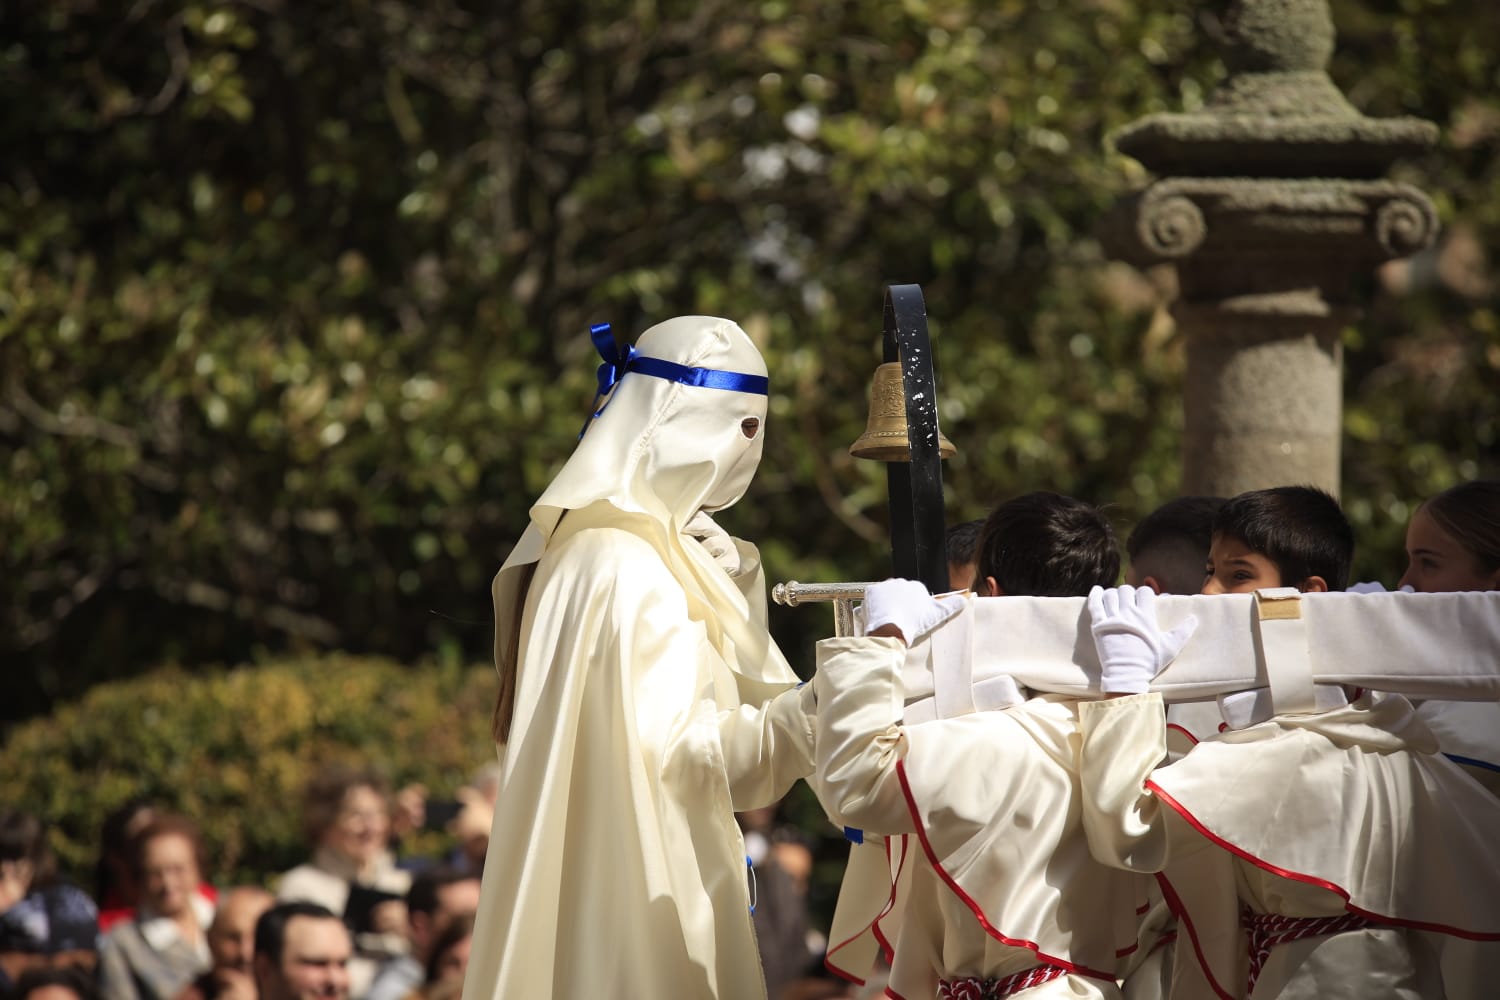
point(1273, 211)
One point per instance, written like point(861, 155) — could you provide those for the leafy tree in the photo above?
point(293, 296)
point(1422, 384)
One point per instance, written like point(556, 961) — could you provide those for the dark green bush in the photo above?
point(232, 749)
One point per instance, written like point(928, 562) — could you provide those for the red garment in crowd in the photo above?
point(114, 911)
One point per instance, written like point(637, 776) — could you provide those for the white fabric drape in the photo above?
point(1310, 816)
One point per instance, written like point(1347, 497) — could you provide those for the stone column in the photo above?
point(1272, 207)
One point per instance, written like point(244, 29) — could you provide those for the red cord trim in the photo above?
point(1183, 731)
point(1239, 852)
point(978, 911)
point(1175, 903)
point(885, 945)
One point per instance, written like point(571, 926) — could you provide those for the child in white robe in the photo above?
point(1324, 855)
point(1002, 897)
point(1453, 544)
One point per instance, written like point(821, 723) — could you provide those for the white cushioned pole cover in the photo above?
point(1420, 645)
point(1283, 643)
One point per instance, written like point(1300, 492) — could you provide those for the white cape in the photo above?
point(1351, 810)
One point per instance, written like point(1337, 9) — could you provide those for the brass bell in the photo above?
point(884, 439)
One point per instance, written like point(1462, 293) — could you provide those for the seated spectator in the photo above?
point(476, 814)
point(346, 819)
point(72, 927)
point(301, 950)
point(164, 947)
point(780, 906)
point(115, 886)
point(443, 977)
point(231, 943)
point(55, 984)
point(438, 897)
point(114, 876)
point(55, 927)
point(25, 859)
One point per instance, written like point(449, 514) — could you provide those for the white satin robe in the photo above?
point(996, 875)
point(1468, 732)
point(1348, 810)
point(615, 866)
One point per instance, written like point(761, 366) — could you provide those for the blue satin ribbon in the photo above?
point(702, 378)
point(1472, 762)
point(750, 867)
point(617, 364)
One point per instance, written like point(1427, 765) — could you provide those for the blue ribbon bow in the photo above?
point(616, 362)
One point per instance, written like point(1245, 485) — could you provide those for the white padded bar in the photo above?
point(952, 665)
point(1444, 646)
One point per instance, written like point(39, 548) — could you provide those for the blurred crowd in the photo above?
point(351, 921)
point(358, 919)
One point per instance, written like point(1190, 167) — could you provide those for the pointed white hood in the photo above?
point(660, 451)
point(663, 448)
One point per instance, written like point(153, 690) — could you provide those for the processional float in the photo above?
point(1289, 648)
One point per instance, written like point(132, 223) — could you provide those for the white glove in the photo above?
point(1376, 587)
point(715, 540)
point(1132, 647)
point(904, 604)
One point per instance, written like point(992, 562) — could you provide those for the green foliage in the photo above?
point(1422, 383)
point(293, 297)
point(233, 749)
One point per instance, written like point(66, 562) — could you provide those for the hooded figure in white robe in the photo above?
point(642, 700)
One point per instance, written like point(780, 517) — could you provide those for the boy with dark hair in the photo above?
point(1003, 895)
point(1045, 545)
point(962, 545)
point(1288, 536)
point(1168, 548)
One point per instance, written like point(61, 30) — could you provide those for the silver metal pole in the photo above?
point(841, 595)
point(792, 594)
